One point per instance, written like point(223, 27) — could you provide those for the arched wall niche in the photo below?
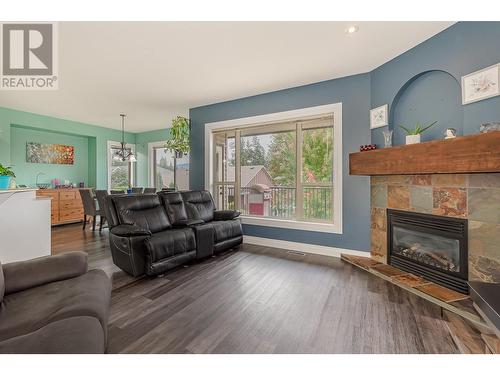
point(433, 95)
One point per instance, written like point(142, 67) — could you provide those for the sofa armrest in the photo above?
point(188, 223)
point(226, 215)
point(127, 230)
point(36, 272)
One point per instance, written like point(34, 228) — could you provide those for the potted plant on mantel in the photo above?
point(413, 135)
point(179, 141)
point(6, 174)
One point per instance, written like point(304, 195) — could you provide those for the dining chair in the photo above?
point(101, 201)
point(89, 207)
point(149, 190)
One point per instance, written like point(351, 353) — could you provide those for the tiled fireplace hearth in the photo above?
point(473, 197)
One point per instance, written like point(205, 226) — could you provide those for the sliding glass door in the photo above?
point(163, 165)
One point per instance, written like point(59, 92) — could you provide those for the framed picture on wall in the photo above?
point(49, 153)
point(379, 116)
point(481, 85)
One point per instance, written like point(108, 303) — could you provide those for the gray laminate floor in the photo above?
point(255, 301)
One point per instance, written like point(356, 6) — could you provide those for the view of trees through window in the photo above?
point(268, 159)
point(121, 173)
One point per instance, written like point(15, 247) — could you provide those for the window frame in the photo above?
point(217, 184)
point(334, 109)
point(152, 146)
point(115, 144)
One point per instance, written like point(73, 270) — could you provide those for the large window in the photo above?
point(279, 170)
point(120, 173)
point(162, 165)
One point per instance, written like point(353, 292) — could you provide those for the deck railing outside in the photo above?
point(280, 202)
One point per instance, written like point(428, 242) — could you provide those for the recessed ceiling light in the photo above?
point(351, 29)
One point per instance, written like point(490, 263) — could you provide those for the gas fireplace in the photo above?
point(430, 246)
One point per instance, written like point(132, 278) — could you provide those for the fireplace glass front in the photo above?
point(434, 247)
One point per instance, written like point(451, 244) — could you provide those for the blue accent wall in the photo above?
point(436, 91)
point(354, 93)
point(422, 84)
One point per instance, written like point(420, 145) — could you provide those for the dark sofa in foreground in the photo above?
point(53, 305)
point(154, 233)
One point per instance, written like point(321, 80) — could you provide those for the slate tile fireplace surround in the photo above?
point(472, 198)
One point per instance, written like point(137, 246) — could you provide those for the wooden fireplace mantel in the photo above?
point(478, 153)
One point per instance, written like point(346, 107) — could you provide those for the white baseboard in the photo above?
point(303, 247)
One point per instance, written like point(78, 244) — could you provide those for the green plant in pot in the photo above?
point(6, 174)
point(179, 137)
point(413, 135)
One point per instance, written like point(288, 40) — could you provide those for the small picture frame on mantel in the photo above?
point(379, 116)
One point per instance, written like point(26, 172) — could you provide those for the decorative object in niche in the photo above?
point(49, 153)
point(480, 85)
point(412, 139)
point(413, 135)
point(450, 133)
point(379, 116)
point(489, 127)
point(367, 148)
point(387, 138)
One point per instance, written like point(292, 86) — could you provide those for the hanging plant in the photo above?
point(179, 136)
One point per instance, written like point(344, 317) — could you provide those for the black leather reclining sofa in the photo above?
point(154, 233)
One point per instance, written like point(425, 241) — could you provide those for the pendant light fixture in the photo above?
point(123, 153)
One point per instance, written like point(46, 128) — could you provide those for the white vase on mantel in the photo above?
point(412, 139)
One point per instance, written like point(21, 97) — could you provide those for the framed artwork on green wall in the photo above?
point(49, 153)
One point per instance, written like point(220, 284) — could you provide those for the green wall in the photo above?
point(17, 127)
point(92, 161)
point(96, 148)
point(26, 172)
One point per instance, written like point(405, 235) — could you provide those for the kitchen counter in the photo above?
point(24, 225)
point(20, 190)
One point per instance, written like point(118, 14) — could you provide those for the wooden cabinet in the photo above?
point(66, 206)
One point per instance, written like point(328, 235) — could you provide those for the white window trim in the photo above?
point(110, 160)
point(151, 147)
point(336, 109)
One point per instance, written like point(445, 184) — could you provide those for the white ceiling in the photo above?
point(153, 71)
